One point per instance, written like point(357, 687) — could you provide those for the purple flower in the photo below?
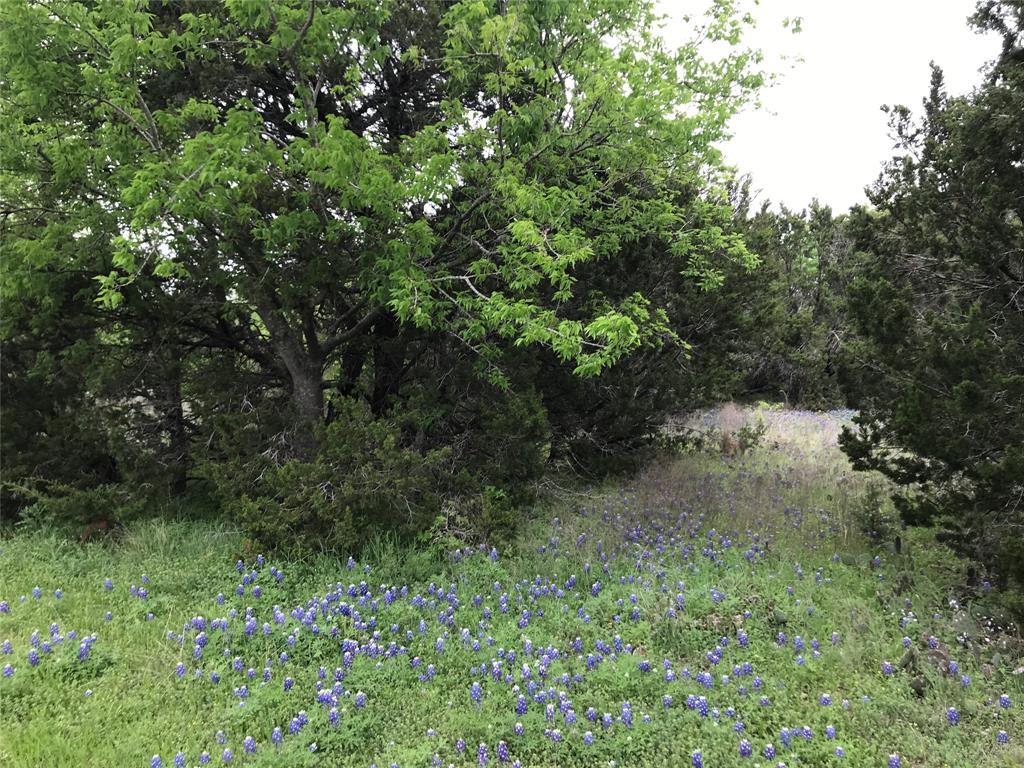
point(360, 700)
point(746, 750)
point(588, 738)
point(503, 754)
point(953, 716)
point(887, 668)
point(894, 761)
point(481, 754)
point(227, 755)
point(1003, 737)
point(1004, 701)
point(249, 745)
point(697, 759)
point(156, 762)
point(276, 737)
point(179, 760)
point(769, 751)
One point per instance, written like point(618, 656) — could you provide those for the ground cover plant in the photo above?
point(715, 611)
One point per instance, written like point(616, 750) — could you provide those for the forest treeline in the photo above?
point(332, 267)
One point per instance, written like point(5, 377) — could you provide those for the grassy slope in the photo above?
point(787, 506)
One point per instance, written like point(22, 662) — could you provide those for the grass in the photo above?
point(751, 547)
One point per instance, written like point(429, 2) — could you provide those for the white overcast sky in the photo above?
point(821, 132)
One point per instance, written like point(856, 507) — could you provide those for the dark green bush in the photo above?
point(360, 480)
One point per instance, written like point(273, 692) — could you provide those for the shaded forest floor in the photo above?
point(713, 608)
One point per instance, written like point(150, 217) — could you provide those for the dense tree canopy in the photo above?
point(938, 307)
point(228, 225)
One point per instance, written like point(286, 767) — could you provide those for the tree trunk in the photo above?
point(305, 372)
point(180, 454)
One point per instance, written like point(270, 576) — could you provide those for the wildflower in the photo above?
point(249, 745)
point(1003, 737)
point(156, 762)
point(588, 738)
point(697, 759)
point(769, 751)
point(1004, 701)
point(953, 716)
point(887, 668)
point(746, 750)
point(227, 756)
point(894, 761)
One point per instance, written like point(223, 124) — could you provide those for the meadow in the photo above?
point(714, 611)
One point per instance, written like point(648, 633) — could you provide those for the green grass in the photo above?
point(795, 498)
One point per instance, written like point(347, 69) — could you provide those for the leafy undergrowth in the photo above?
point(717, 612)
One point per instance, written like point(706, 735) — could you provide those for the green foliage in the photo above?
point(57, 507)
point(788, 315)
point(265, 210)
point(361, 483)
point(937, 305)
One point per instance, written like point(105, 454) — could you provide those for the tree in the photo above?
point(938, 369)
point(330, 195)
